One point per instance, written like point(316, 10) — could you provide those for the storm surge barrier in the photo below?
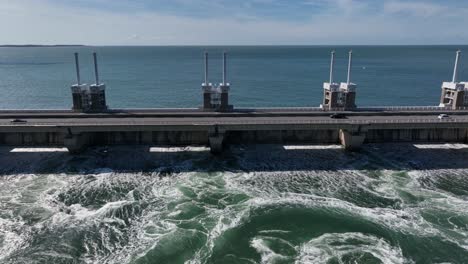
point(217, 122)
point(77, 131)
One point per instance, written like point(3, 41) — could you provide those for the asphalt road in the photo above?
point(241, 120)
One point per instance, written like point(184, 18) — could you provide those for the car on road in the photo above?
point(443, 116)
point(338, 116)
point(18, 121)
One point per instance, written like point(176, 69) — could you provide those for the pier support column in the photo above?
point(352, 139)
point(76, 143)
point(216, 139)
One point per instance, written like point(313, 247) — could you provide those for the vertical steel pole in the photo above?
point(350, 64)
point(96, 72)
point(206, 68)
point(224, 69)
point(455, 70)
point(77, 65)
point(332, 63)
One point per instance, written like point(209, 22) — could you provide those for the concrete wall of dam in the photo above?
point(325, 137)
point(32, 139)
point(417, 135)
point(176, 138)
point(349, 139)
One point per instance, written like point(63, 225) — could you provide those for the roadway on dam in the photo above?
point(241, 112)
point(224, 120)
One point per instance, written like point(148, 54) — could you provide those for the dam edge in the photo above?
point(77, 131)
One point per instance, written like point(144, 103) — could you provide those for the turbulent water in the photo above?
point(255, 204)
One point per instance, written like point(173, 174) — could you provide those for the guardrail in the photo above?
point(409, 108)
point(236, 110)
point(338, 122)
point(358, 109)
point(246, 122)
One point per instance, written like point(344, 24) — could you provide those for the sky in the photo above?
point(234, 22)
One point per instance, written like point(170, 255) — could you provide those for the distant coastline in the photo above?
point(38, 46)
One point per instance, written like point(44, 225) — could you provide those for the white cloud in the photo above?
point(39, 21)
point(414, 8)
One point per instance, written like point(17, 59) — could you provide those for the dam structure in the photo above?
point(217, 123)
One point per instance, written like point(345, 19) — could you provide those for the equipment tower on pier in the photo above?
point(207, 88)
point(216, 98)
point(79, 90)
point(224, 88)
point(454, 93)
point(88, 98)
point(339, 96)
point(97, 91)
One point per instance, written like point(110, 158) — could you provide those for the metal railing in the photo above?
point(336, 122)
point(358, 109)
point(260, 109)
point(409, 108)
point(246, 122)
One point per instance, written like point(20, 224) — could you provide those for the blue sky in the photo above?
point(221, 22)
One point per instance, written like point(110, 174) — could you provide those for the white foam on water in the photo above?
point(334, 246)
point(444, 204)
point(268, 255)
point(13, 236)
point(154, 224)
point(19, 195)
point(387, 187)
point(273, 189)
point(300, 187)
point(38, 150)
point(102, 172)
point(70, 217)
point(227, 218)
point(266, 232)
point(78, 213)
point(302, 147)
point(264, 196)
point(441, 146)
point(178, 149)
point(397, 220)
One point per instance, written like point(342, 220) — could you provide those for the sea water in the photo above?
point(389, 203)
point(265, 76)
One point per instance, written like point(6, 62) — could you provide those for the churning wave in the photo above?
point(257, 204)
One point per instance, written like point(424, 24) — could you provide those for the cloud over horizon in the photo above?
point(242, 22)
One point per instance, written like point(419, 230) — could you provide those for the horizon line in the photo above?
point(222, 45)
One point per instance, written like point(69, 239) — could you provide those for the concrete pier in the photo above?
point(216, 139)
point(77, 143)
point(352, 139)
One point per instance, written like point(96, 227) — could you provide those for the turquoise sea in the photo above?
point(149, 77)
point(388, 203)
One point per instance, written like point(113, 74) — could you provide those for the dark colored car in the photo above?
point(338, 116)
point(18, 121)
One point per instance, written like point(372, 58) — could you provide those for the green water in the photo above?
point(255, 204)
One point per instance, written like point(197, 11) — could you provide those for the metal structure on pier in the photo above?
point(88, 98)
point(339, 96)
point(336, 96)
point(454, 93)
point(216, 98)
